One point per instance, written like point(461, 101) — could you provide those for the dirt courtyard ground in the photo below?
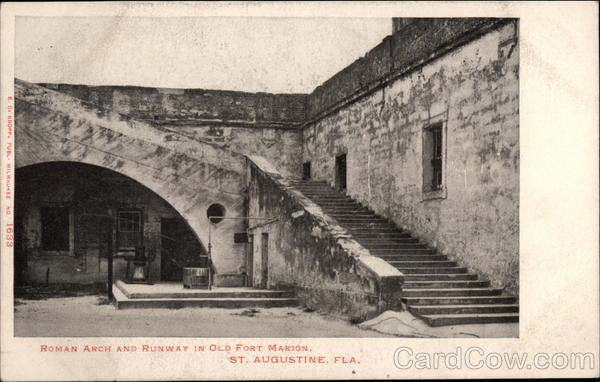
point(90, 316)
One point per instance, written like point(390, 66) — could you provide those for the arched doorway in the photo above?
point(71, 217)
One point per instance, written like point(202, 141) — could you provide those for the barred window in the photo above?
point(129, 229)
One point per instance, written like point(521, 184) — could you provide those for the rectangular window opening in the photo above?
point(433, 160)
point(55, 228)
point(129, 230)
point(436, 160)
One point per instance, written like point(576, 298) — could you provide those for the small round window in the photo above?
point(215, 210)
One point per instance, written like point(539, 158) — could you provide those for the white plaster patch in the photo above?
point(297, 214)
point(264, 165)
point(316, 231)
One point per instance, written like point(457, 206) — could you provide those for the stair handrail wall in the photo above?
point(357, 284)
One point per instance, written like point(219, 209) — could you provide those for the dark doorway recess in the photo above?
point(340, 172)
point(180, 249)
point(306, 171)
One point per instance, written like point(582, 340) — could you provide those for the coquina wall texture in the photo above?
point(188, 174)
point(299, 247)
point(474, 90)
point(247, 123)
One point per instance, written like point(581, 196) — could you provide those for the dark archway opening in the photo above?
point(72, 218)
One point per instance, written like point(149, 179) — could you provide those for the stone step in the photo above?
point(308, 181)
point(314, 191)
point(349, 222)
point(369, 229)
point(463, 319)
point(463, 309)
point(446, 284)
point(313, 185)
point(412, 257)
point(440, 277)
point(393, 246)
point(310, 186)
point(431, 270)
point(390, 258)
point(346, 207)
point(319, 190)
point(334, 199)
point(420, 250)
point(450, 292)
point(123, 302)
point(229, 303)
point(204, 293)
point(330, 198)
point(423, 264)
point(335, 204)
point(387, 241)
point(347, 211)
point(325, 195)
point(459, 300)
point(373, 234)
point(362, 220)
point(358, 216)
point(371, 223)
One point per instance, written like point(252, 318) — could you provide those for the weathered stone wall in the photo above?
point(192, 106)
point(309, 252)
point(418, 41)
point(249, 123)
point(93, 198)
point(475, 89)
point(282, 147)
point(189, 174)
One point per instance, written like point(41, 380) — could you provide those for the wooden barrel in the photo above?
point(195, 278)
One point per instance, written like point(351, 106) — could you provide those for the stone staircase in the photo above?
point(439, 291)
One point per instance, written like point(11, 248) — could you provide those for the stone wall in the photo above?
point(189, 174)
point(474, 91)
point(248, 123)
point(193, 106)
point(307, 251)
point(418, 41)
point(283, 147)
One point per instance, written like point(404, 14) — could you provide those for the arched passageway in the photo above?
point(191, 175)
point(73, 216)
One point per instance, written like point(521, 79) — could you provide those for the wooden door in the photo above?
point(250, 261)
point(264, 254)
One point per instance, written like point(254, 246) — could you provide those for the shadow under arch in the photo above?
point(26, 175)
point(131, 177)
